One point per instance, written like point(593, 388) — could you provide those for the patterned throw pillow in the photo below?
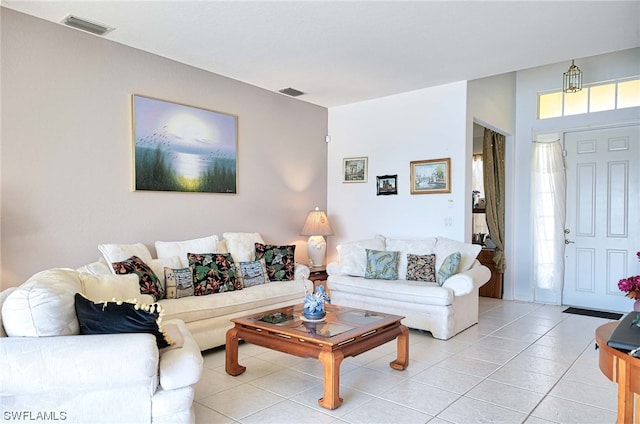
point(120, 317)
point(279, 259)
point(213, 273)
point(381, 265)
point(149, 282)
point(253, 273)
point(448, 267)
point(421, 267)
point(179, 282)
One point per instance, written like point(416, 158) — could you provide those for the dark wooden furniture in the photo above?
point(345, 332)
point(493, 287)
point(318, 276)
point(622, 368)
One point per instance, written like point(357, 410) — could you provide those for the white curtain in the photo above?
point(548, 188)
point(477, 184)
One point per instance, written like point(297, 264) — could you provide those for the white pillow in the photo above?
point(353, 256)
point(242, 246)
point(44, 305)
point(166, 249)
point(103, 288)
point(98, 267)
point(120, 252)
point(423, 246)
point(468, 252)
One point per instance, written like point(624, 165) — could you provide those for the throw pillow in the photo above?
point(179, 282)
point(108, 286)
point(167, 249)
point(119, 252)
point(242, 245)
point(149, 282)
point(381, 265)
point(120, 317)
point(213, 273)
point(422, 246)
point(253, 273)
point(279, 259)
point(468, 252)
point(352, 255)
point(448, 268)
point(421, 267)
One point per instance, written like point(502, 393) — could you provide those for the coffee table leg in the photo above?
point(402, 361)
point(331, 362)
point(231, 354)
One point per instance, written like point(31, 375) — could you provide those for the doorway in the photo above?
point(602, 216)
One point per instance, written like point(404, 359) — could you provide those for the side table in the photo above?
point(318, 276)
point(621, 368)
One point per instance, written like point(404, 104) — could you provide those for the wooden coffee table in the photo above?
point(344, 332)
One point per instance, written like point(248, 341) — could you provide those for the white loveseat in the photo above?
point(50, 373)
point(444, 310)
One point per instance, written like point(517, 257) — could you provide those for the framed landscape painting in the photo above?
point(431, 176)
point(354, 170)
point(183, 148)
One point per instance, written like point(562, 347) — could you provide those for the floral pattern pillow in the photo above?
point(421, 267)
point(381, 265)
point(448, 267)
point(149, 282)
point(280, 261)
point(178, 282)
point(213, 273)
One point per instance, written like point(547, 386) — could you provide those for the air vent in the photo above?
point(86, 25)
point(291, 92)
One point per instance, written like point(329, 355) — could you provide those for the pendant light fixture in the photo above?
point(572, 81)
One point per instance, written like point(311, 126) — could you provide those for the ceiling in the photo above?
point(341, 52)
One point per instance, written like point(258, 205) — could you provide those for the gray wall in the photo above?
point(66, 161)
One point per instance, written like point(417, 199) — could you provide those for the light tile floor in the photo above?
point(523, 362)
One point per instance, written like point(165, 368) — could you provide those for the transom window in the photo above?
point(593, 98)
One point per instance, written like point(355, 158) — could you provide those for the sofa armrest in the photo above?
point(333, 268)
point(465, 282)
point(32, 365)
point(301, 272)
point(180, 366)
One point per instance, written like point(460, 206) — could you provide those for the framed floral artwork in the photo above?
point(431, 176)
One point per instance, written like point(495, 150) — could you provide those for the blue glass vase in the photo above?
point(315, 315)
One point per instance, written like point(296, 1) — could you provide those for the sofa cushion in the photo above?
point(252, 273)
point(421, 267)
point(120, 317)
point(43, 305)
point(353, 257)
point(178, 282)
point(280, 260)
point(113, 252)
point(149, 281)
point(419, 292)
point(108, 287)
point(449, 266)
point(213, 273)
point(167, 249)
point(382, 265)
point(423, 246)
point(181, 367)
point(242, 245)
point(468, 252)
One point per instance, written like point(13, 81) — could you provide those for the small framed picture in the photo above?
point(354, 170)
point(387, 184)
point(431, 176)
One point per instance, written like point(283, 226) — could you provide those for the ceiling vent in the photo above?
point(291, 92)
point(86, 25)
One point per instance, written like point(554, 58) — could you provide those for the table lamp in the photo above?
point(316, 226)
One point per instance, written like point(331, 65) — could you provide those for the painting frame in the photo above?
point(355, 170)
point(183, 148)
point(387, 185)
point(431, 176)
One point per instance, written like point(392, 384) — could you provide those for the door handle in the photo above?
point(567, 241)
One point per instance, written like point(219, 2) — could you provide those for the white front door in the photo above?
point(603, 185)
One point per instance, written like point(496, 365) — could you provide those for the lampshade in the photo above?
point(317, 224)
point(572, 81)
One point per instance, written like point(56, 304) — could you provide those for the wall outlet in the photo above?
point(448, 221)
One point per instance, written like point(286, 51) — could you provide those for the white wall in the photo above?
point(529, 83)
point(393, 131)
point(67, 151)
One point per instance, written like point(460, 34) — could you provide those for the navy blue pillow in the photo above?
point(111, 318)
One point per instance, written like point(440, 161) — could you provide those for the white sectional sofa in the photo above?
point(444, 310)
point(48, 371)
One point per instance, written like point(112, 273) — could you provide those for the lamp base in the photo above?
point(316, 249)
